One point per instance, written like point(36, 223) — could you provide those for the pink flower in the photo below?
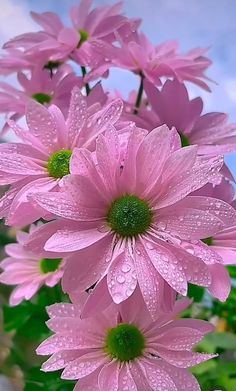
point(29, 270)
point(128, 216)
point(223, 242)
point(123, 348)
point(41, 86)
point(211, 132)
point(40, 161)
point(139, 55)
point(59, 42)
point(14, 60)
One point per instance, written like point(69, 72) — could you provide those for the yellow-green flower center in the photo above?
point(48, 265)
point(184, 140)
point(84, 35)
point(124, 342)
point(208, 241)
point(59, 163)
point(42, 98)
point(129, 216)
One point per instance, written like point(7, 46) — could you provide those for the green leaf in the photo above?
point(218, 340)
point(195, 292)
point(15, 317)
point(38, 380)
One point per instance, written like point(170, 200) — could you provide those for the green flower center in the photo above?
point(52, 65)
point(84, 35)
point(48, 265)
point(208, 241)
point(42, 98)
point(184, 140)
point(125, 342)
point(59, 163)
point(129, 216)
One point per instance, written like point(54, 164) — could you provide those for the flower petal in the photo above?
point(108, 377)
point(84, 365)
point(68, 240)
point(82, 270)
point(121, 278)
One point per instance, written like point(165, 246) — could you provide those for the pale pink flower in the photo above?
point(123, 348)
point(128, 214)
point(90, 27)
point(40, 161)
point(14, 60)
point(223, 242)
point(29, 271)
point(211, 132)
point(41, 86)
point(154, 62)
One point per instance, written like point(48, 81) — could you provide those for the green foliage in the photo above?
point(37, 380)
point(195, 292)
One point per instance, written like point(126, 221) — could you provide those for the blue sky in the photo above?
point(207, 23)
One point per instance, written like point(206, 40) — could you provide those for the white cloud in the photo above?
point(14, 19)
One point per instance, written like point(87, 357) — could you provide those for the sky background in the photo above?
point(205, 23)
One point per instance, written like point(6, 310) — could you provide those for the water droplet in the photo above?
point(126, 268)
point(121, 279)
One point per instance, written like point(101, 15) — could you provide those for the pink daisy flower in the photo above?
point(89, 27)
point(123, 348)
point(151, 62)
point(132, 219)
point(211, 132)
point(29, 270)
point(40, 161)
point(223, 242)
point(41, 86)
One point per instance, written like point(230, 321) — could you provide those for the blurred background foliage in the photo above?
point(22, 328)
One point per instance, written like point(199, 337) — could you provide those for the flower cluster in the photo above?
point(125, 202)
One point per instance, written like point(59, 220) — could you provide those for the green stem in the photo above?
point(139, 95)
point(88, 89)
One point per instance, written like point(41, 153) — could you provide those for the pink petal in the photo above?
point(129, 172)
point(67, 241)
point(135, 311)
point(203, 171)
point(85, 365)
point(82, 270)
point(179, 338)
point(126, 379)
point(22, 212)
point(121, 278)
point(60, 359)
point(182, 378)
point(150, 282)
point(168, 266)
point(157, 377)
point(42, 125)
point(99, 299)
point(77, 115)
point(221, 284)
point(108, 377)
point(183, 359)
point(20, 165)
point(179, 161)
point(189, 223)
point(49, 21)
point(150, 168)
point(88, 383)
point(66, 310)
point(63, 205)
